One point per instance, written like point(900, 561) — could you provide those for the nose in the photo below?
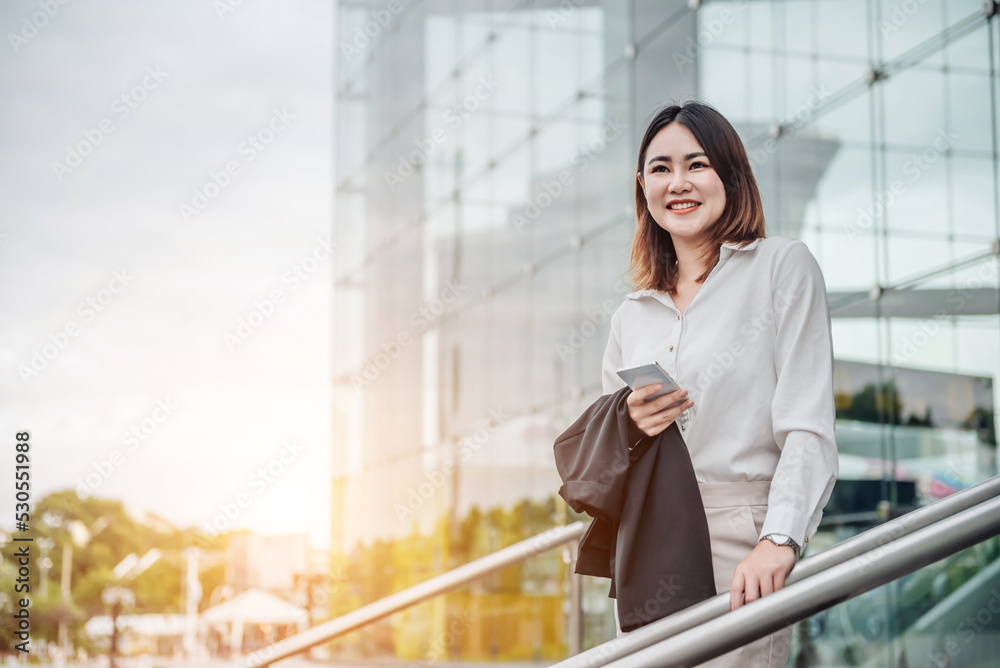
point(678, 181)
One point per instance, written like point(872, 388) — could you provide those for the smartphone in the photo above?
point(650, 373)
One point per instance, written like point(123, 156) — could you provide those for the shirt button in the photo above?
point(671, 348)
point(678, 317)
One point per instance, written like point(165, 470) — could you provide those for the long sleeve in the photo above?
point(611, 381)
point(802, 410)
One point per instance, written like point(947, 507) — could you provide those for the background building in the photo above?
point(484, 176)
point(272, 563)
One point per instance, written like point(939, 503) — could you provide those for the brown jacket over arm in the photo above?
point(649, 533)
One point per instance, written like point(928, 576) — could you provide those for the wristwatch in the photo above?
point(782, 539)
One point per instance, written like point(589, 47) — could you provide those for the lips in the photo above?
point(688, 206)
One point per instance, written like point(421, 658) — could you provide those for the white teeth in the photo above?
point(686, 205)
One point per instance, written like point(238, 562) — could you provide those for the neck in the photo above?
point(691, 259)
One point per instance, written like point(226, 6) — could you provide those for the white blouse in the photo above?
point(755, 352)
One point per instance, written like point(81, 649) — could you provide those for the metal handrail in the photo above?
point(855, 546)
point(642, 638)
point(821, 590)
point(439, 584)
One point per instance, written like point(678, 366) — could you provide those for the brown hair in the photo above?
point(742, 220)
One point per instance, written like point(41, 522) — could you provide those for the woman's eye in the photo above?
point(663, 168)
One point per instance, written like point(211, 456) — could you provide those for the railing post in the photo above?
point(572, 549)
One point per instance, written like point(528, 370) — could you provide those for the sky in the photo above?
point(165, 257)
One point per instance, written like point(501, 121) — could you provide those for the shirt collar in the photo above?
point(725, 251)
point(750, 246)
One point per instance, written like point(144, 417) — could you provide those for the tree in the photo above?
point(111, 534)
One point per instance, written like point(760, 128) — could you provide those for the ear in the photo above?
point(638, 176)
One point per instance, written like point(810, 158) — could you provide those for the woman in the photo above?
point(741, 323)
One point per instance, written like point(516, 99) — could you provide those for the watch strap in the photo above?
point(783, 539)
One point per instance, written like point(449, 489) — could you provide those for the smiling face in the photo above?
point(683, 191)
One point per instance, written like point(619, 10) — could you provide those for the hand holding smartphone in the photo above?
point(650, 373)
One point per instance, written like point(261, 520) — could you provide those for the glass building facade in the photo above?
point(485, 167)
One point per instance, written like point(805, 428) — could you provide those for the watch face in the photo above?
point(779, 539)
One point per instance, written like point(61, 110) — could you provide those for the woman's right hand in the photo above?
point(650, 417)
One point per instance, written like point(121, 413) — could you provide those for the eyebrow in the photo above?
point(666, 158)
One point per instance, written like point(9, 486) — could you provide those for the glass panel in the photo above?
point(849, 122)
point(555, 146)
point(902, 26)
point(761, 86)
point(601, 172)
point(853, 338)
point(603, 286)
point(910, 257)
point(509, 353)
point(554, 73)
point(510, 60)
point(844, 197)
point(723, 82)
point(473, 28)
point(972, 50)
point(354, 45)
point(471, 127)
point(926, 343)
point(800, 25)
point(956, 10)
point(832, 247)
point(951, 252)
point(590, 51)
point(977, 345)
point(905, 92)
point(939, 615)
point(404, 92)
point(442, 96)
point(757, 21)
point(843, 30)
point(977, 351)
point(510, 182)
point(970, 110)
point(465, 359)
point(972, 196)
point(915, 198)
point(834, 75)
point(554, 345)
point(352, 144)
point(725, 24)
point(510, 248)
point(440, 55)
point(978, 274)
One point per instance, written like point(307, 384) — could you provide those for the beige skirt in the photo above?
point(735, 513)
